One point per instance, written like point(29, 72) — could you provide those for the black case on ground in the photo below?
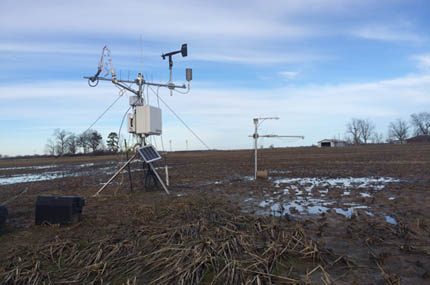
point(3, 217)
point(64, 210)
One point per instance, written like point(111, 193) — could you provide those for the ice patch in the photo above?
point(309, 183)
point(28, 167)
point(390, 220)
point(33, 177)
point(301, 205)
point(349, 212)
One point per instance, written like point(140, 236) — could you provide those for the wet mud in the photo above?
point(353, 215)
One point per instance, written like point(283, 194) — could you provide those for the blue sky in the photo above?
point(316, 64)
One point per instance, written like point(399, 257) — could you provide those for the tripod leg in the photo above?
point(159, 178)
point(115, 175)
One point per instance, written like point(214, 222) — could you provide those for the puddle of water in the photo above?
point(279, 171)
point(33, 177)
point(301, 205)
point(89, 164)
point(390, 220)
point(349, 212)
point(72, 171)
point(28, 167)
point(302, 201)
point(343, 183)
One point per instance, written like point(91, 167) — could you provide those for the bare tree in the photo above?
point(71, 143)
point(83, 141)
point(95, 140)
point(421, 123)
point(366, 129)
point(353, 128)
point(398, 130)
point(377, 138)
point(50, 147)
point(60, 141)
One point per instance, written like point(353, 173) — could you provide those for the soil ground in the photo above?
point(352, 215)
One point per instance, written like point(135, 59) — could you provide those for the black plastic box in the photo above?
point(3, 217)
point(64, 210)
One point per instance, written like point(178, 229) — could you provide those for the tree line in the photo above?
point(359, 131)
point(63, 142)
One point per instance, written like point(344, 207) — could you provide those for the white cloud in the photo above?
point(381, 32)
point(423, 61)
point(208, 21)
point(162, 19)
point(289, 75)
point(222, 116)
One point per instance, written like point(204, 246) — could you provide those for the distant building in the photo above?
point(331, 143)
point(419, 139)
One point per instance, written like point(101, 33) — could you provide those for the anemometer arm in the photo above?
point(106, 62)
point(119, 83)
point(276, 136)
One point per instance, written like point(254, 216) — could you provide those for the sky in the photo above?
point(316, 64)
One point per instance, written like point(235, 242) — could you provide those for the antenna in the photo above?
point(257, 123)
point(141, 49)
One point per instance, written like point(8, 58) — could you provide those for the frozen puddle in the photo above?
point(341, 183)
point(33, 177)
point(298, 199)
point(311, 206)
point(390, 220)
point(67, 171)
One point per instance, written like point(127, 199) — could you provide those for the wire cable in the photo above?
point(104, 112)
point(182, 121)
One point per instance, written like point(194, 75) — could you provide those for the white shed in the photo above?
point(331, 143)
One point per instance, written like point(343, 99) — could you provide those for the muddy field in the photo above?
point(354, 215)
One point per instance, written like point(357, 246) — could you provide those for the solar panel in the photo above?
point(149, 153)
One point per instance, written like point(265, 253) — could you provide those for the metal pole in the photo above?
point(255, 146)
point(128, 167)
point(167, 176)
point(140, 83)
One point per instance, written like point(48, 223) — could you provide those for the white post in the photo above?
point(167, 176)
point(256, 147)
